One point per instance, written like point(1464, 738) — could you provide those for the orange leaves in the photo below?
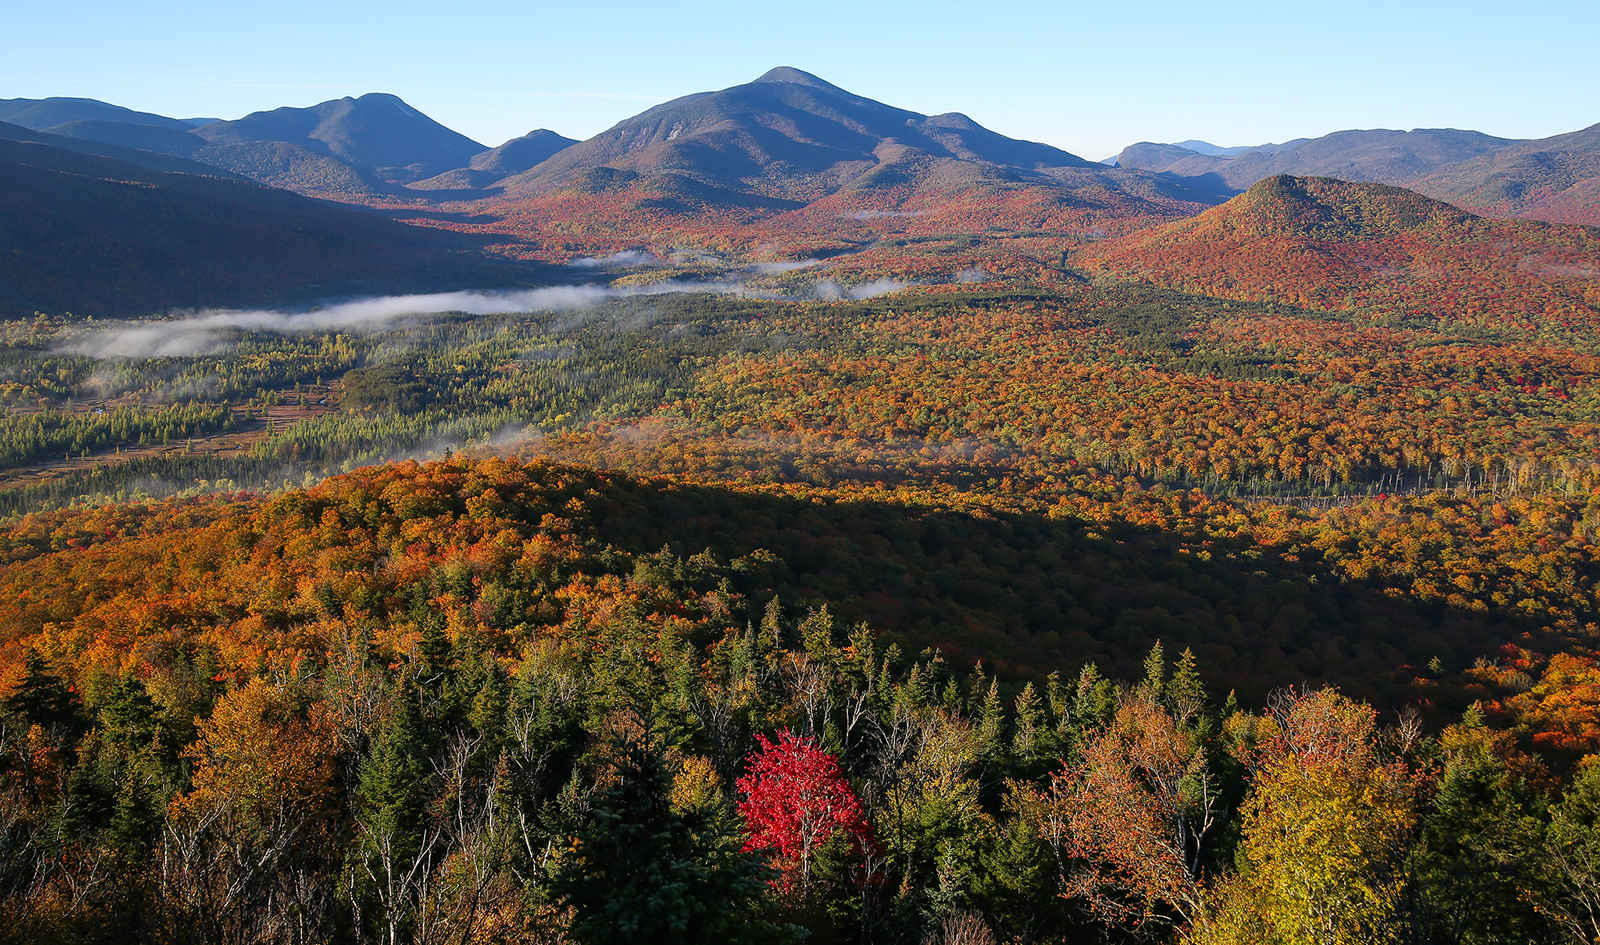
point(1053, 563)
point(1136, 807)
point(1257, 396)
point(263, 764)
point(269, 585)
point(1561, 708)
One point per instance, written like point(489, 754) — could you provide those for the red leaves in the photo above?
point(795, 799)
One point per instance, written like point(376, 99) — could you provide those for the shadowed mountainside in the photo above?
point(521, 154)
point(490, 167)
point(378, 133)
point(351, 148)
point(95, 235)
point(42, 114)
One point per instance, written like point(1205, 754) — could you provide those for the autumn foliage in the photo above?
point(795, 800)
point(1326, 244)
point(729, 615)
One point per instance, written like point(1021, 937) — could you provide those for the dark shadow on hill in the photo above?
point(1027, 594)
point(93, 235)
point(1210, 188)
point(1032, 594)
point(443, 216)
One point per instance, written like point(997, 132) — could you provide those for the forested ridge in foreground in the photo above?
point(467, 701)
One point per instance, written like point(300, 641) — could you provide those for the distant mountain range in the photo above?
point(117, 211)
point(39, 114)
point(778, 143)
point(350, 148)
point(1383, 157)
point(1206, 147)
point(90, 233)
point(1555, 179)
point(789, 139)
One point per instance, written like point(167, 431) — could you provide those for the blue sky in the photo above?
point(1088, 78)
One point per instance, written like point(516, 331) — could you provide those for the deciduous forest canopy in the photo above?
point(877, 529)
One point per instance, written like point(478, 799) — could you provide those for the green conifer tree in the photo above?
point(644, 873)
point(1479, 838)
point(43, 698)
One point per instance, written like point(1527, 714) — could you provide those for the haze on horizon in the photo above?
point(1089, 78)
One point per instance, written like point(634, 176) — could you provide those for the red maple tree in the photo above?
point(795, 799)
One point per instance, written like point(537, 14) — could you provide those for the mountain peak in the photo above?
point(377, 133)
point(1270, 225)
point(387, 98)
point(1327, 209)
point(788, 135)
point(520, 154)
point(796, 76)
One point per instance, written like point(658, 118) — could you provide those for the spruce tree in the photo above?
point(392, 781)
point(42, 698)
point(1478, 837)
point(644, 873)
point(1574, 855)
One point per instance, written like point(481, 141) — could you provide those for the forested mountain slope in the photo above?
point(881, 531)
point(376, 133)
point(788, 134)
point(47, 113)
point(807, 161)
point(477, 663)
point(94, 235)
point(1555, 179)
point(350, 148)
point(1335, 245)
point(1378, 156)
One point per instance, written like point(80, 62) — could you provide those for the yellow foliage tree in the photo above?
point(262, 765)
point(1324, 835)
